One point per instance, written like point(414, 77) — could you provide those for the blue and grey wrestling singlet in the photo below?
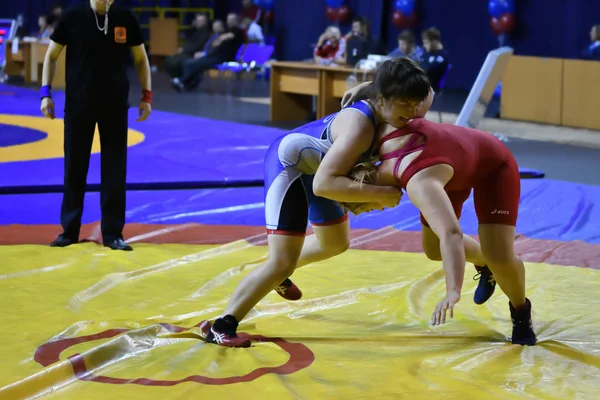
point(290, 165)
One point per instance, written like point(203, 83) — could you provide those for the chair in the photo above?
point(254, 58)
point(441, 89)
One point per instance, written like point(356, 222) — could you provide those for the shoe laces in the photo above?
point(490, 278)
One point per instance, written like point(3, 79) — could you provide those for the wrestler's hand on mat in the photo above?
point(47, 107)
point(145, 111)
point(439, 315)
point(355, 94)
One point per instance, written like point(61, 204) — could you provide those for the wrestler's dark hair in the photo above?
point(400, 78)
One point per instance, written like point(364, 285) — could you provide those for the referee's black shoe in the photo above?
point(63, 241)
point(118, 244)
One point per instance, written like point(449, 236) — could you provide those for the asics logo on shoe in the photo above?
point(219, 337)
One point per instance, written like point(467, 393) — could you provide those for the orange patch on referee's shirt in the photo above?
point(120, 34)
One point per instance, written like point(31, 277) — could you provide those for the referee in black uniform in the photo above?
point(98, 36)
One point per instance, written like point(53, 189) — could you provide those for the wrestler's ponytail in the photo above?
point(361, 173)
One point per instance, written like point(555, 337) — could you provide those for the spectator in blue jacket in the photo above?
point(592, 52)
point(435, 58)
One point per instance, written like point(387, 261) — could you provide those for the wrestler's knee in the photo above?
point(281, 266)
point(338, 247)
point(333, 239)
point(497, 254)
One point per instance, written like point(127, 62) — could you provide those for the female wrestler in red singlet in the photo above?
point(438, 165)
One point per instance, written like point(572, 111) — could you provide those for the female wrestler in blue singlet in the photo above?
point(306, 180)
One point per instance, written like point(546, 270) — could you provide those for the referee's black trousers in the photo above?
point(79, 135)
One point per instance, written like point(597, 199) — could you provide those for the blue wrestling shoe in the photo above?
point(487, 285)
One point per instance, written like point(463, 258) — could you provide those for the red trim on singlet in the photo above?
point(409, 148)
point(285, 233)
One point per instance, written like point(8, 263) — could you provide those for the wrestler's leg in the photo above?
point(330, 224)
point(497, 207)
point(327, 241)
point(283, 254)
point(286, 215)
point(497, 244)
point(331, 236)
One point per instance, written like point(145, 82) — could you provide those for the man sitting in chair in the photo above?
point(224, 49)
point(435, 59)
point(195, 42)
point(218, 28)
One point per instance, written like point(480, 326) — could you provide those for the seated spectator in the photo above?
point(406, 47)
point(330, 47)
point(592, 52)
point(194, 44)
point(46, 29)
point(254, 32)
point(435, 59)
point(359, 42)
point(218, 27)
point(224, 49)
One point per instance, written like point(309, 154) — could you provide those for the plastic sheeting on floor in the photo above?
point(549, 210)
point(89, 323)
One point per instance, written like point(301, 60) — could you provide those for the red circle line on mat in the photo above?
point(300, 357)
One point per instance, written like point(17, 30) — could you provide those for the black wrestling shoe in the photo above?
point(522, 332)
point(62, 241)
point(118, 244)
point(223, 333)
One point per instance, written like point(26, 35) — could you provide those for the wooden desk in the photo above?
point(164, 39)
point(294, 83)
point(531, 90)
point(29, 61)
point(18, 64)
point(581, 94)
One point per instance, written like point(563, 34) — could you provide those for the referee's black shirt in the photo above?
point(95, 62)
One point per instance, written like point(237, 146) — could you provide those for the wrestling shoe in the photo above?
point(226, 339)
point(288, 290)
point(522, 332)
point(487, 285)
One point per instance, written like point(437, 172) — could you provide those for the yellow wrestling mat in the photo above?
point(89, 323)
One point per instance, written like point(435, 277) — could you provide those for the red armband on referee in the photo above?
point(147, 96)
